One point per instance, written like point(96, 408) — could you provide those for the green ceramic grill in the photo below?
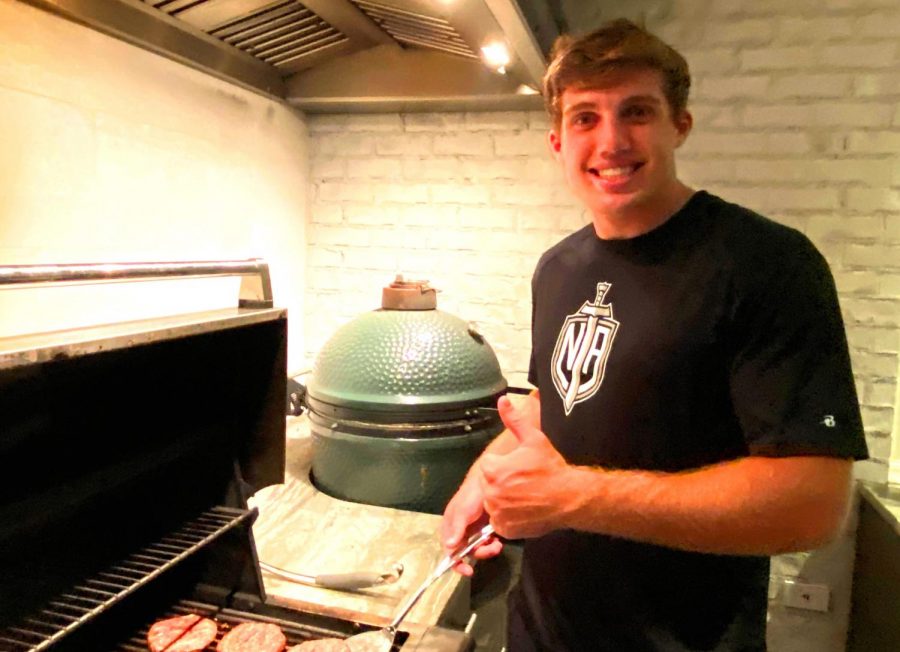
point(401, 403)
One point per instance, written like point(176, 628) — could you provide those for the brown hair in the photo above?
point(618, 45)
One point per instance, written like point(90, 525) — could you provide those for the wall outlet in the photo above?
point(799, 595)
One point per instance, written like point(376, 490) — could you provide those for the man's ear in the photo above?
point(555, 143)
point(684, 123)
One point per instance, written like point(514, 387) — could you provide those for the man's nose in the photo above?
point(612, 136)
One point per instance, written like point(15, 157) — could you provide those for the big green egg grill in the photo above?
point(401, 402)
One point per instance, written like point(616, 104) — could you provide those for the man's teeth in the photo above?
point(613, 172)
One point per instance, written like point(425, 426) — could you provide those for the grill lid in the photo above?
point(406, 356)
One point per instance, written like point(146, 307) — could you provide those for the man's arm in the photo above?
point(753, 506)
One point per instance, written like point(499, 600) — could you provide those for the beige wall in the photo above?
point(110, 153)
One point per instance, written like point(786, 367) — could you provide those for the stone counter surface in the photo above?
point(303, 530)
point(885, 498)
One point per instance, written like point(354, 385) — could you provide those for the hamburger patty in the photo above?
point(253, 637)
point(188, 633)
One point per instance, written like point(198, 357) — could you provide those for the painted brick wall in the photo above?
point(796, 116)
point(468, 201)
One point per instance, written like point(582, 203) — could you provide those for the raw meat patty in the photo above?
point(189, 633)
point(253, 637)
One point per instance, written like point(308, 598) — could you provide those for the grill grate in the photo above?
point(416, 29)
point(69, 611)
point(226, 619)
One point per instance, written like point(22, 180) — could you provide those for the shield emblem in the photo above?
point(582, 349)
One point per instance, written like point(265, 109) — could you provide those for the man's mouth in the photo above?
point(614, 173)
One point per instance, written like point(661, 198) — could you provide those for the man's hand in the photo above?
point(465, 514)
point(527, 490)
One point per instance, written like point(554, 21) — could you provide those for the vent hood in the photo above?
point(344, 55)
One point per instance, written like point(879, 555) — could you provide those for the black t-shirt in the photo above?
point(715, 336)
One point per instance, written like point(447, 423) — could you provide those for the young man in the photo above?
point(695, 410)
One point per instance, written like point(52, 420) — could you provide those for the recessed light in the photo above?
point(496, 55)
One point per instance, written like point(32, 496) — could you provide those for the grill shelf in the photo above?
point(95, 595)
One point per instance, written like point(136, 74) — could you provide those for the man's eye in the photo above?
point(638, 112)
point(584, 119)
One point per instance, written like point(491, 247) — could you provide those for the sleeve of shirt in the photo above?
point(532, 364)
point(791, 380)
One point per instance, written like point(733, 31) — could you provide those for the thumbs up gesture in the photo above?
point(527, 490)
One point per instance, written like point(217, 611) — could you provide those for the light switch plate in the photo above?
point(815, 597)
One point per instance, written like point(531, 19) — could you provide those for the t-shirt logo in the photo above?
point(582, 349)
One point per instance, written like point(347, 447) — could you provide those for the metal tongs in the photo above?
point(338, 581)
point(383, 639)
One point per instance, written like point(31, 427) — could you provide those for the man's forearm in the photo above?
point(755, 506)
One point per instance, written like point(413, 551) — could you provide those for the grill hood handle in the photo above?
point(519, 390)
point(296, 393)
point(492, 411)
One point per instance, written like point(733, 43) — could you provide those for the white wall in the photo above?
point(110, 153)
point(468, 201)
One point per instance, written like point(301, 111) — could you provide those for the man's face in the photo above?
point(617, 148)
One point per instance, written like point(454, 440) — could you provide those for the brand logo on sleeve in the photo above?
point(582, 349)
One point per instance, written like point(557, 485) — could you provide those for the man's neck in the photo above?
point(640, 220)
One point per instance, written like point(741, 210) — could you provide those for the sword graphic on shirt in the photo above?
point(582, 350)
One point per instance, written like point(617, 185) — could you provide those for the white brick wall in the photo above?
point(467, 200)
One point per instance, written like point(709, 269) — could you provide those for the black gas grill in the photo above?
point(129, 452)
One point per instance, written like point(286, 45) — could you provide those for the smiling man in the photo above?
point(695, 409)
point(617, 148)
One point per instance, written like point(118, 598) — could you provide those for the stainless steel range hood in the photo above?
point(343, 55)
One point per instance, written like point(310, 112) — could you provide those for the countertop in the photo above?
point(303, 530)
point(885, 498)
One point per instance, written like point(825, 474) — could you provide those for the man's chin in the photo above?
point(616, 205)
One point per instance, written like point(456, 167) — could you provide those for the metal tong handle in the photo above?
point(443, 566)
point(338, 581)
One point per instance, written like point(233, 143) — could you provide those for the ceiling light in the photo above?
point(496, 56)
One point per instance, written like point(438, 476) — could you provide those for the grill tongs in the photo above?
point(383, 639)
point(338, 581)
